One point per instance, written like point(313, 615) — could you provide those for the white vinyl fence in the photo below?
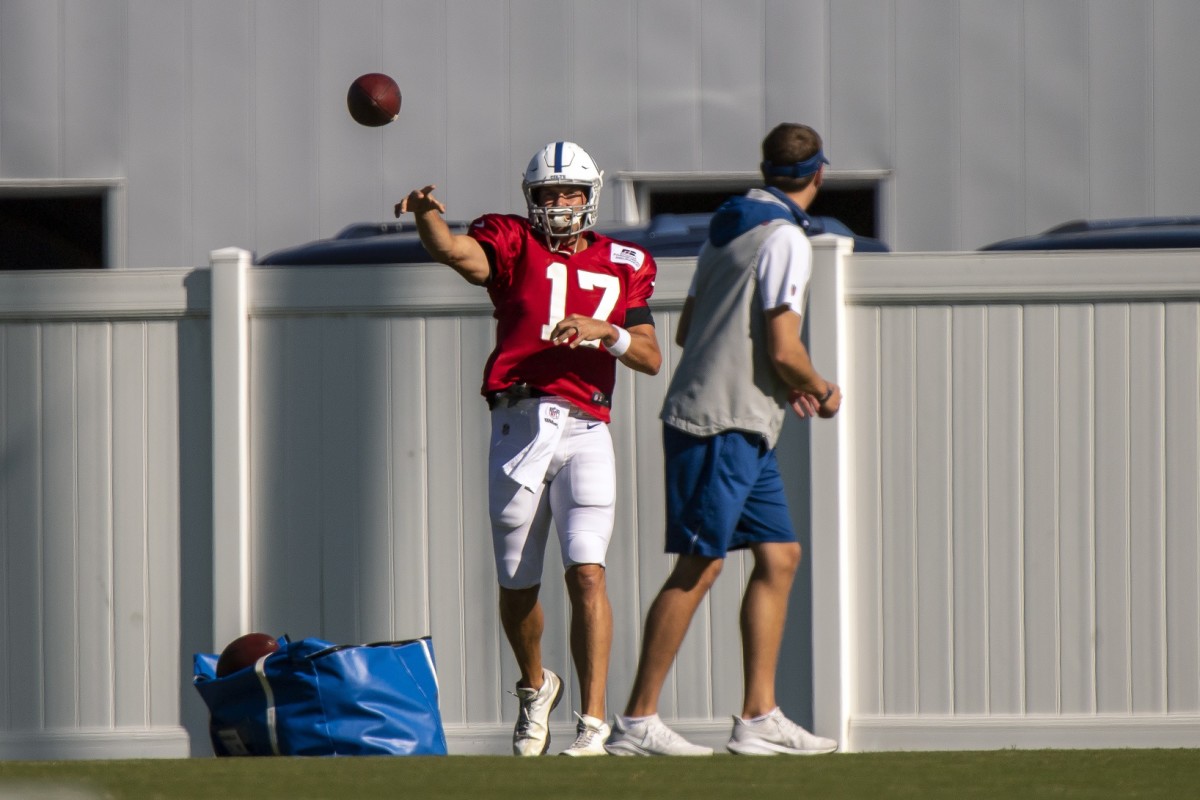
point(1018, 519)
point(1001, 528)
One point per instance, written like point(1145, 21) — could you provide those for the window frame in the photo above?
point(634, 190)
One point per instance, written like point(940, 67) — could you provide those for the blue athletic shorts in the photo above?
point(724, 492)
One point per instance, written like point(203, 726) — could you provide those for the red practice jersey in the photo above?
point(533, 289)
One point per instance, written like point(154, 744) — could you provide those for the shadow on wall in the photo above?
point(195, 508)
point(794, 677)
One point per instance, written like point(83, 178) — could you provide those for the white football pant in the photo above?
point(564, 458)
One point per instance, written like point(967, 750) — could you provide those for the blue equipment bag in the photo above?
point(314, 698)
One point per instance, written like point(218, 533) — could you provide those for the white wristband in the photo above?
point(621, 345)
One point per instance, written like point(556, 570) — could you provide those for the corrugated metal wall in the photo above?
point(225, 119)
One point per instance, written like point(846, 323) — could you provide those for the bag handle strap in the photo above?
point(428, 651)
point(272, 731)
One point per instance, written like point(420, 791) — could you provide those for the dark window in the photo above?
point(52, 232)
point(856, 206)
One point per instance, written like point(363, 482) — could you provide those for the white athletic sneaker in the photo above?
point(776, 734)
point(531, 736)
point(651, 737)
point(589, 737)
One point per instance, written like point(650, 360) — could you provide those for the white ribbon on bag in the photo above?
point(529, 466)
point(272, 729)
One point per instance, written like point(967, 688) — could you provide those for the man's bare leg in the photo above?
point(591, 634)
point(523, 621)
point(666, 624)
point(763, 616)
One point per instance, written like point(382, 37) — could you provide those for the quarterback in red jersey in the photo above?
point(535, 287)
point(569, 303)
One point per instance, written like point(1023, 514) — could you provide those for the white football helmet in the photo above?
point(556, 164)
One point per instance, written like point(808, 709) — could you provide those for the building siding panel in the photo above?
point(160, 158)
point(227, 123)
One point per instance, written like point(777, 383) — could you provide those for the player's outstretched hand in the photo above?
point(420, 201)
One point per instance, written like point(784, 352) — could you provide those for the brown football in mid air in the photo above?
point(373, 99)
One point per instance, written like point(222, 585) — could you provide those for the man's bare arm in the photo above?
point(460, 252)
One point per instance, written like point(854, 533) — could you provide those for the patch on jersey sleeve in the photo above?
point(624, 254)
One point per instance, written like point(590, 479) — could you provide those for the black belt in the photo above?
point(514, 394)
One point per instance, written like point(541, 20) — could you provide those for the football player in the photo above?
point(570, 303)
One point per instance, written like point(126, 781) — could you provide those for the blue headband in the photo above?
point(800, 169)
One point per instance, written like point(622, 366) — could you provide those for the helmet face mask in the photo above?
point(563, 165)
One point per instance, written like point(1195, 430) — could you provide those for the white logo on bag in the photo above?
point(233, 742)
point(624, 254)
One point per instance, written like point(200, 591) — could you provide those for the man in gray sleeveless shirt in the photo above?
point(743, 365)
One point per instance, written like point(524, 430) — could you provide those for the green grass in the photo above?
point(998, 774)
